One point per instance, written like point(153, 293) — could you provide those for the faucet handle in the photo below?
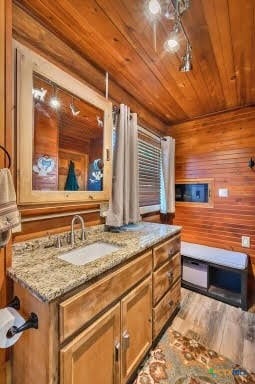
point(58, 243)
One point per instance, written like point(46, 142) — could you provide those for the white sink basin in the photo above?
point(88, 253)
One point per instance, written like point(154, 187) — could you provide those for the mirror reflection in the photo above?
point(67, 140)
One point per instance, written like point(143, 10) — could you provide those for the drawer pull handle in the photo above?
point(117, 351)
point(125, 340)
point(170, 275)
point(171, 303)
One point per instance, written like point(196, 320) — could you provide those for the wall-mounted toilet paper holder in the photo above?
point(32, 321)
point(14, 303)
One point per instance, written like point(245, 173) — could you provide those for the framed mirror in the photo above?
point(64, 135)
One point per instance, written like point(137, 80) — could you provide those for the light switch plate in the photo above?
point(246, 241)
point(223, 192)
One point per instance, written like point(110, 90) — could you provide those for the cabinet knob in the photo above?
point(125, 340)
point(117, 351)
point(171, 303)
point(170, 275)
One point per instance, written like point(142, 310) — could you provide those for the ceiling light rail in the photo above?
point(172, 10)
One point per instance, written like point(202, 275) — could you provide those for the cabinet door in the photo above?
point(93, 356)
point(136, 327)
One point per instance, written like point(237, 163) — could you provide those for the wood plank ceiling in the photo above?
point(116, 36)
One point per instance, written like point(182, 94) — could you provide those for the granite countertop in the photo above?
point(36, 265)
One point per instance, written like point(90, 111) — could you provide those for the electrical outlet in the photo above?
point(246, 241)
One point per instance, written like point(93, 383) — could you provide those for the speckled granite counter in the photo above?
point(37, 267)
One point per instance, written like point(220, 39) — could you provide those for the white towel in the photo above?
point(9, 214)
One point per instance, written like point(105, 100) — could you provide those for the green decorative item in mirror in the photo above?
point(71, 180)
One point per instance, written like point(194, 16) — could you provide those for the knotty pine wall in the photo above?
point(219, 147)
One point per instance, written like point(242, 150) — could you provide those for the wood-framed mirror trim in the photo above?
point(210, 182)
point(28, 62)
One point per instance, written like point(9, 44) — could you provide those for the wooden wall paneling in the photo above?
point(45, 144)
point(219, 147)
point(6, 140)
point(29, 31)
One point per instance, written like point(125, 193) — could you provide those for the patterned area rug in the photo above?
point(182, 360)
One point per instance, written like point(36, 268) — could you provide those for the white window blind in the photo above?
point(149, 160)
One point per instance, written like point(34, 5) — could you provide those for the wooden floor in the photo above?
point(221, 327)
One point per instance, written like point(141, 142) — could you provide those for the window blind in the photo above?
point(149, 161)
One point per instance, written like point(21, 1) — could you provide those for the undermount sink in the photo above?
point(88, 253)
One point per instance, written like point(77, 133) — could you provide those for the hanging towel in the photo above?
point(9, 214)
point(71, 180)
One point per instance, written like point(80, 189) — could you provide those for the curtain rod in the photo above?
point(146, 131)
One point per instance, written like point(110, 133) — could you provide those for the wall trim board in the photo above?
point(6, 140)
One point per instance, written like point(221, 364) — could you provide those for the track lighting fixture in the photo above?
point(75, 111)
point(186, 65)
point(172, 10)
point(154, 7)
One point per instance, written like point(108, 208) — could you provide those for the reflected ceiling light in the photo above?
point(54, 102)
point(186, 65)
point(39, 94)
point(154, 7)
point(74, 109)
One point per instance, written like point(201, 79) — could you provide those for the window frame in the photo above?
point(144, 132)
point(209, 204)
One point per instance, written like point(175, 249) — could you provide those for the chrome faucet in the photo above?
point(83, 234)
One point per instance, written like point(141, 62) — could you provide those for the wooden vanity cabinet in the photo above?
point(94, 355)
point(166, 282)
point(102, 333)
point(136, 327)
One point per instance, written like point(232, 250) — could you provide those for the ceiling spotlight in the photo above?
point(154, 7)
point(74, 109)
point(172, 44)
point(186, 65)
point(39, 94)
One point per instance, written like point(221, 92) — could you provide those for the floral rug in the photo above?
point(182, 360)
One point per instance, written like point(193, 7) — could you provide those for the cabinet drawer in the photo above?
point(165, 308)
point(80, 308)
point(165, 276)
point(162, 253)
